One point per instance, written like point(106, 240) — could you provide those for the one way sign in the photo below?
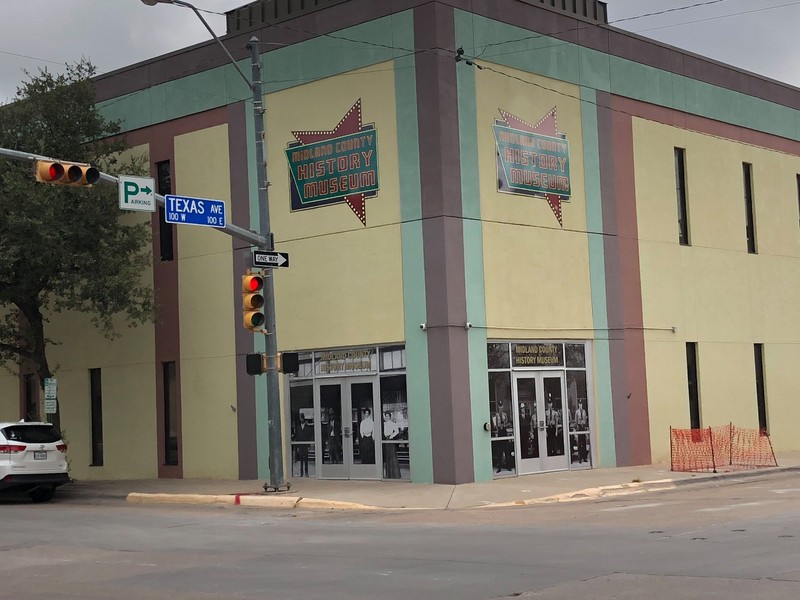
point(270, 259)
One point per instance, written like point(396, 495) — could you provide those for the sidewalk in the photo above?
point(563, 486)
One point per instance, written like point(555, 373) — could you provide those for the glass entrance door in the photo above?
point(346, 429)
point(541, 422)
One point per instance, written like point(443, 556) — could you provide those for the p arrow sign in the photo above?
point(270, 259)
point(137, 193)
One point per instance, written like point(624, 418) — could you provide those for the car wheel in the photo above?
point(42, 494)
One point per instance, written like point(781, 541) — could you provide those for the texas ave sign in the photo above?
point(194, 211)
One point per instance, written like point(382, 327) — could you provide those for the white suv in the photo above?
point(33, 459)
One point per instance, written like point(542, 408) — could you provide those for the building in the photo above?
point(520, 240)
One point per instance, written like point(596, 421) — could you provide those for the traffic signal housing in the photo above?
point(65, 173)
point(253, 302)
point(255, 364)
point(288, 362)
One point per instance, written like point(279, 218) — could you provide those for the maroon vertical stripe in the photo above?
point(443, 245)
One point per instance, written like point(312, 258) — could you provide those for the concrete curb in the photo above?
point(140, 498)
point(334, 504)
point(624, 489)
point(247, 500)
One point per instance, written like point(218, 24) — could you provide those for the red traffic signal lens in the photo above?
point(56, 171)
point(252, 283)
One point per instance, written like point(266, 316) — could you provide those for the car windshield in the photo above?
point(31, 434)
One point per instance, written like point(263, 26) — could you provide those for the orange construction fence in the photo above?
point(726, 448)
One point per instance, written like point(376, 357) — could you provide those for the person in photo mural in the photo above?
point(554, 428)
point(390, 461)
point(366, 430)
point(503, 449)
point(304, 432)
point(527, 433)
point(582, 424)
point(334, 437)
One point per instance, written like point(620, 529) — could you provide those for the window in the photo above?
point(31, 397)
point(393, 358)
point(301, 402)
point(798, 197)
point(32, 434)
point(761, 399)
point(165, 231)
point(498, 355)
point(680, 188)
point(750, 223)
point(96, 397)
point(170, 414)
point(394, 410)
point(694, 395)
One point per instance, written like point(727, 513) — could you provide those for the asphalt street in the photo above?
point(729, 539)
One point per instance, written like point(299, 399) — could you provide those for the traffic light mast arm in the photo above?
point(232, 230)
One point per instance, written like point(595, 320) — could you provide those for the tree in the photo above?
point(64, 248)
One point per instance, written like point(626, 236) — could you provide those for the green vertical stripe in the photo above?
point(414, 295)
point(473, 257)
point(604, 428)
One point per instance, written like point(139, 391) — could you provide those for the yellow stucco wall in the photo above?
point(536, 272)
point(128, 392)
point(344, 283)
point(713, 292)
point(207, 296)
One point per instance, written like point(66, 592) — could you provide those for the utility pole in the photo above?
point(276, 481)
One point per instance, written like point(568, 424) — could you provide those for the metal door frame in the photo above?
point(347, 469)
point(544, 462)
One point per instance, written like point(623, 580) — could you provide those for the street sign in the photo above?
point(50, 388)
point(195, 211)
point(270, 259)
point(50, 406)
point(137, 193)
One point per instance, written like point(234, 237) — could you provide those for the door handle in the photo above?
point(346, 432)
point(541, 424)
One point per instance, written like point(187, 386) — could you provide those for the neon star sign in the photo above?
point(533, 160)
point(336, 166)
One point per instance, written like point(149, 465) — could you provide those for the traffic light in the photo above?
point(253, 302)
point(65, 173)
point(255, 364)
point(288, 362)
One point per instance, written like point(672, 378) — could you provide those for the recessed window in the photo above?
point(31, 383)
point(749, 210)
point(680, 188)
point(761, 398)
point(165, 230)
point(694, 392)
point(170, 413)
point(96, 397)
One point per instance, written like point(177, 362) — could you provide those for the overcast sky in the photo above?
point(762, 36)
